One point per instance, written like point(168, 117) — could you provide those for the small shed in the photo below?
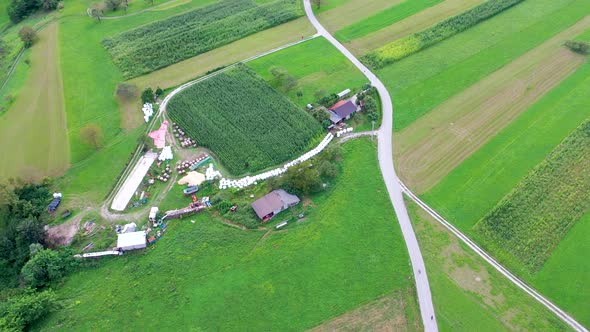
point(131, 241)
point(273, 203)
point(344, 93)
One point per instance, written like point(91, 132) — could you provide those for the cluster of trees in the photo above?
point(310, 177)
point(578, 46)
point(321, 115)
point(24, 260)
point(149, 96)
point(282, 79)
point(368, 102)
point(18, 10)
point(28, 35)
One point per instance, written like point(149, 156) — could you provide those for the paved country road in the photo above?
point(391, 181)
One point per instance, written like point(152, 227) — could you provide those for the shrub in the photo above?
point(578, 46)
point(160, 44)
point(416, 42)
point(22, 310)
point(126, 91)
point(147, 96)
point(28, 35)
point(44, 266)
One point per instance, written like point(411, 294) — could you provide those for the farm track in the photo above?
point(385, 155)
point(515, 280)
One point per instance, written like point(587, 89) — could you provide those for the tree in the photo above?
point(147, 96)
point(22, 310)
point(18, 10)
point(28, 35)
point(302, 178)
point(49, 4)
point(317, 3)
point(319, 94)
point(282, 78)
point(328, 169)
point(45, 266)
point(578, 46)
point(92, 135)
point(112, 4)
point(370, 104)
point(159, 92)
point(96, 12)
point(126, 91)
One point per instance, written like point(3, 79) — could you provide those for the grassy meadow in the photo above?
point(316, 65)
point(215, 277)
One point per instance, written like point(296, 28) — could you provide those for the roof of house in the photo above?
point(273, 201)
point(334, 118)
point(343, 108)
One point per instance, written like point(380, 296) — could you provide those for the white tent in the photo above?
point(132, 241)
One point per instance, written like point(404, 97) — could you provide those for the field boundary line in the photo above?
point(499, 267)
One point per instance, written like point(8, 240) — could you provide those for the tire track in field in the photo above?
point(435, 144)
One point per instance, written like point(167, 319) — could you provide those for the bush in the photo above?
point(28, 35)
point(45, 266)
point(416, 42)
point(147, 96)
point(160, 44)
point(22, 310)
point(578, 46)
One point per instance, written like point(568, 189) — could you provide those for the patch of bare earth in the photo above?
point(62, 235)
point(384, 314)
point(420, 21)
point(438, 142)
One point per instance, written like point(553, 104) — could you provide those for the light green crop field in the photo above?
point(316, 64)
point(428, 78)
point(479, 183)
point(467, 292)
point(213, 277)
point(383, 19)
point(339, 14)
point(33, 131)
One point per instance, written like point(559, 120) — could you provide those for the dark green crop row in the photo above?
point(529, 223)
point(416, 42)
point(244, 121)
point(160, 44)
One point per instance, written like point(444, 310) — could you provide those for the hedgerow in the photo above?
point(160, 44)
point(246, 123)
point(528, 224)
point(416, 42)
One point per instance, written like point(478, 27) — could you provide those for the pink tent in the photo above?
point(159, 135)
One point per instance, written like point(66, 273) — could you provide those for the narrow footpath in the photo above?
point(385, 154)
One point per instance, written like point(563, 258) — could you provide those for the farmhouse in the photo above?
point(342, 110)
point(272, 203)
point(131, 241)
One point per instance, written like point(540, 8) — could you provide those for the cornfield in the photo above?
point(247, 124)
point(162, 43)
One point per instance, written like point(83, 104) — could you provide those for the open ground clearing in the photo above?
point(316, 65)
point(35, 126)
point(255, 44)
point(478, 184)
point(243, 120)
point(467, 292)
point(344, 13)
point(383, 19)
point(162, 43)
point(436, 143)
point(428, 78)
point(529, 222)
point(213, 276)
point(417, 22)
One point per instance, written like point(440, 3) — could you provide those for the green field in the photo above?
point(467, 292)
point(478, 184)
point(162, 43)
point(316, 65)
point(246, 123)
point(214, 277)
point(530, 221)
point(383, 19)
point(428, 78)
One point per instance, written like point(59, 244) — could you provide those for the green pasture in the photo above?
point(426, 79)
point(383, 19)
point(316, 64)
point(468, 292)
point(213, 277)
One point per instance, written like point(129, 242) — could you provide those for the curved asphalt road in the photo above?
point(391, 181)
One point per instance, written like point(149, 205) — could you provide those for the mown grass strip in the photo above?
point(531, 221)
point(409, 45)
point(243, 120)
point(160, 44)
point(383, 19)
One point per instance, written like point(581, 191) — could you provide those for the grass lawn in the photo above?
point(242, 49)
point(4, 20)
point(467, 292)
point(383, 19)
point(426, 79)
point(338, 14)
point(35, 125)
point(316, 64)
point(214, 277)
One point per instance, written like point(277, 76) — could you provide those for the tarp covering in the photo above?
point(159, 135)
point(132, 241)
